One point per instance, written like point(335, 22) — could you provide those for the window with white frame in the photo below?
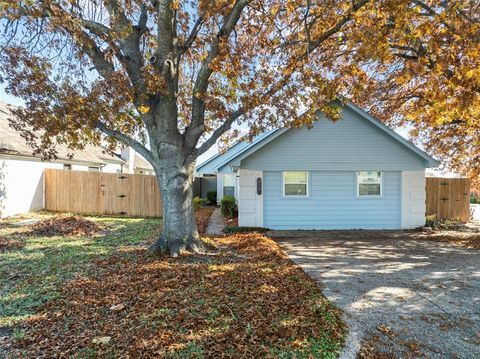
point(369, 183)
point(295, 184)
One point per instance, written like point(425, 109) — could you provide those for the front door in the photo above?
point(250, 198)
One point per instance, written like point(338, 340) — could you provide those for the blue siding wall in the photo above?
point(352, 143)
point(332, 203)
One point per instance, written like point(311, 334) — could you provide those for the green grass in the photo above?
point(33, 275)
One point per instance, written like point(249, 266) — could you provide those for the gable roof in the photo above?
point(12, 143)
point(214, 163)
point(236, 153)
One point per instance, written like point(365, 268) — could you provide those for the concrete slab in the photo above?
point(25, 222)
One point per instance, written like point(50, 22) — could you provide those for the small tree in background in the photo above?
point(170, 78)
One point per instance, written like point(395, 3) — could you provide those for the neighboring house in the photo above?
point(354, 173)
point(135, 163)
point(21, 173)
point(220, 176)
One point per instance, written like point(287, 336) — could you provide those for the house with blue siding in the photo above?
point(349, 174)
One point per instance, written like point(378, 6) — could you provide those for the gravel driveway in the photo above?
point(400, 296)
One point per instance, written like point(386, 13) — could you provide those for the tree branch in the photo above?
point(97, 56)
point(197, 126)
point(96, 28)
point(130, 55)
point(312, 46)
point(334, 29)
point(217, 133)
point(192, 36)
point(137, 146)
point(430, 11)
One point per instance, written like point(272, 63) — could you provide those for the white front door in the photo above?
point(250, 198)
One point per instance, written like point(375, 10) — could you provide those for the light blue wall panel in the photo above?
point(332, 203)
point(352, 143)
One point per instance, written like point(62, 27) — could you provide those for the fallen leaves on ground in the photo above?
point(66, 226)
point(245, 300)
point(461, 239)
point(231, 222)
point(202, 216)
point(390, 345)
point(7, 244)
point(468, 239)
point(370, 349)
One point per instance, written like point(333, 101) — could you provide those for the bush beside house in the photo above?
point(227, 206)
point(212, 197)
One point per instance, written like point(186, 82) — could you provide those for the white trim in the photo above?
point(296, 196)
point(357, 184)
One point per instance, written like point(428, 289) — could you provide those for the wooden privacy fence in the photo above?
point(102, 193)
point(448, 198)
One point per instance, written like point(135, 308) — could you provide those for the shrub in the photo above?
point(473, 200)
point(212, 197)
point(245, 229)
point(227, 205)
point(431, 220)
point(198, 202)
point(434, 222)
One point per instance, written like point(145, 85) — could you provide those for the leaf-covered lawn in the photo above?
point(107, 297)
point(33, 268)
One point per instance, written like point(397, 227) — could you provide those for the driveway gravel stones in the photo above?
point(401, 297)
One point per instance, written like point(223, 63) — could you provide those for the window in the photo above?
point(94, 169)
point(67, 166)
point(295, 184)
point(229, 184)
point(369, 183)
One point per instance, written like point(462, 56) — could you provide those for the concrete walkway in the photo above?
point(216, 223)
point(409, 298)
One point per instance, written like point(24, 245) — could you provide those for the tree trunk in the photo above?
point(179, 231)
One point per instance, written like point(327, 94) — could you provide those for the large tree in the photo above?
point(429, 79)
point(170, 78)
